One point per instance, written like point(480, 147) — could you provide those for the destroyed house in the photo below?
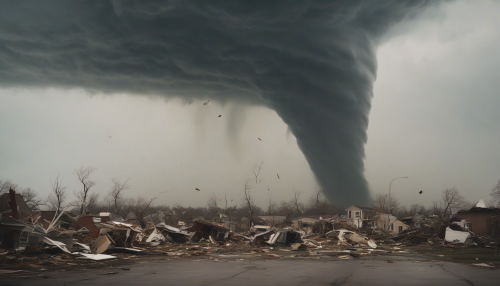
point(15, 234)
point(413, 221)
point(284, 238)
point(317, 224)
point(173, 234)
point(245, 223)
point(309, 221)
point(7, 205)
point(88, 223)
point(305, 222)
point(44, 218)
point(121, 233)
point(208, 231)
point(398, 226)
point(358, 214)
point(262, 236)
point(478, 219)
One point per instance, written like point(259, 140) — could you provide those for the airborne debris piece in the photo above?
point(278, 175)
point(259, 139)
point(206, 103)
point(197, 189)
point(420, 192)
point(220, 115)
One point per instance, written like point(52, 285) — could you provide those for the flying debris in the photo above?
point(220, 115)
point(420, 192)
point(206, 103)
point(278, 175)
point(197, 189)
point(259, 139)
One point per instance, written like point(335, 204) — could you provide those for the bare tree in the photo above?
point(298, 206)
point(256, 171)
point(226, 209)
point(58, 196)
point(248, 199)
point(452, 200)
point(83, 175)
point(317, 203)
point(271, 207)
point(435, 209)
point(287, 209)
point(141, 207)
point(5, 185)
point(414, 209)
point(31, 199)
point(116, 193)
point(402, 212)
point(495, 194)
point(30, 196)
point(382, 202)
point(212, 205)
point(93, 205)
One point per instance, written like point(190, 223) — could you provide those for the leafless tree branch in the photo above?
point(256, 171)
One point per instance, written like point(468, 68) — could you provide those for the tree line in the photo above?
point(87, 201)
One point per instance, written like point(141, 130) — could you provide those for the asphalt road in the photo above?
point(273, 272)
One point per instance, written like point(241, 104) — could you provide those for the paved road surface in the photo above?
point(275, 272)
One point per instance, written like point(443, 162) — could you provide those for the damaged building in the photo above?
point(478, 218)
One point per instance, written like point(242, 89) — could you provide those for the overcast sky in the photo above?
point(434, 119)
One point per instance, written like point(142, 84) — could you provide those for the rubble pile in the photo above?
point(77, 241)
point(50, 239)
point(429, 232)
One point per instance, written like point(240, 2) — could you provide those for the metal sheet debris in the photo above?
point(456, 236)
point(60, 245)
point(96, 256)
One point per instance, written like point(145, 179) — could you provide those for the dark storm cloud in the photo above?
point(311, 61)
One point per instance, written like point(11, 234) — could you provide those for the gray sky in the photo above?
point(433, 119)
